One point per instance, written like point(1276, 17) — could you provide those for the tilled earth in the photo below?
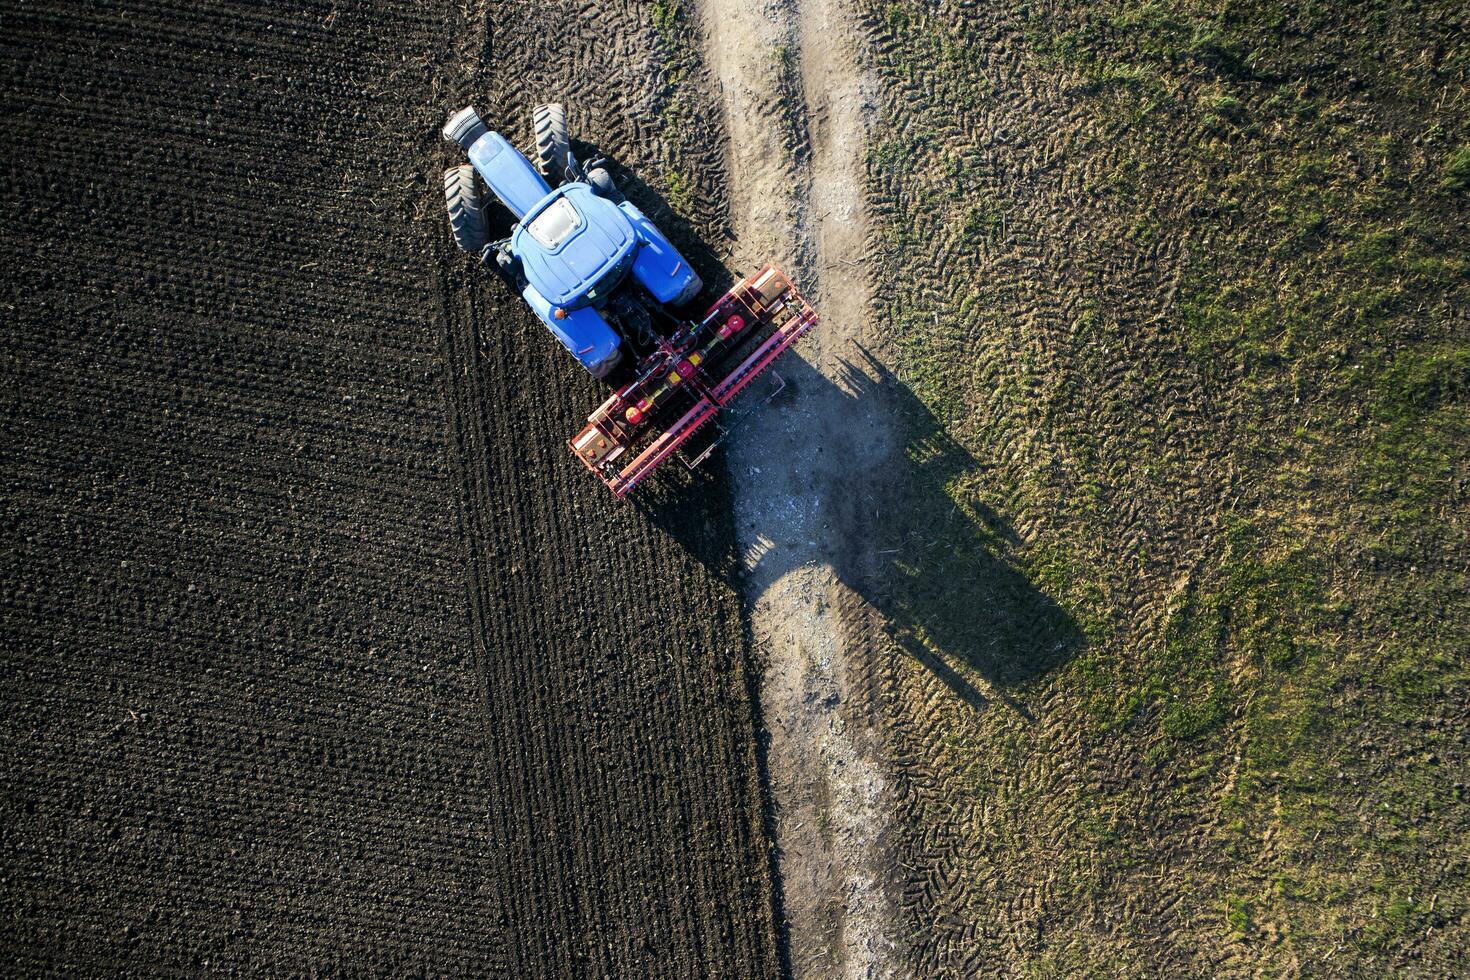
point(320, 650)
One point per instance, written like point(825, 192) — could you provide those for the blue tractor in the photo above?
point(599, 274)
point(582, 256)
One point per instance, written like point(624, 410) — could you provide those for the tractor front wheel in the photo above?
point(553, 145)
point(466, 215)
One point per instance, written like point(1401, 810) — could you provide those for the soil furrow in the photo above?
point(323, 654)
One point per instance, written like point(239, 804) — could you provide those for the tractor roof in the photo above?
point(571, 240)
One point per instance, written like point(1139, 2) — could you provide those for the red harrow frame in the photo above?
point(622, 442)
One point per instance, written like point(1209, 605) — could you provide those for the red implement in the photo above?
point(622, 442)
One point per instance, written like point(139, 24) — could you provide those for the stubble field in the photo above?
point(1184, 284)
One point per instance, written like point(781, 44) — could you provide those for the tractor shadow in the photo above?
point(912, 535)
point(908, 531)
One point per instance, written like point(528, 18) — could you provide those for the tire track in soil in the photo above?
point(798, 108)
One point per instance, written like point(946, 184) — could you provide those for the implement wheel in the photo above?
point(553, 145)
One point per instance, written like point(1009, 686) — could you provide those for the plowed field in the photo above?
point(320, 651)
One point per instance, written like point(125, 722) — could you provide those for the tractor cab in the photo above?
point(575, 248)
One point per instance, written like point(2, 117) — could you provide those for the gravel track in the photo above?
point(806, 473)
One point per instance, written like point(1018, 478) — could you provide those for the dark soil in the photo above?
point(321, 652)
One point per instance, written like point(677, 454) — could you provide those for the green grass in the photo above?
point(1238, 911)
point(1311, 165)
point(679, 117)
point(1457, 170)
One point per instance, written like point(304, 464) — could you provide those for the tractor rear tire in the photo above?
point(553, 145)
point(466, 214)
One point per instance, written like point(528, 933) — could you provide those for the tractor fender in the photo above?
point(584, 332)
point(658, 265)
point(508, 173)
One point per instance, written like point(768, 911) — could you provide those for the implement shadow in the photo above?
point(907, 531)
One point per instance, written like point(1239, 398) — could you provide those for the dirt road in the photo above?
point(797, 107)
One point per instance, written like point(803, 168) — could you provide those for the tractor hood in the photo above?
point(570, 242)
